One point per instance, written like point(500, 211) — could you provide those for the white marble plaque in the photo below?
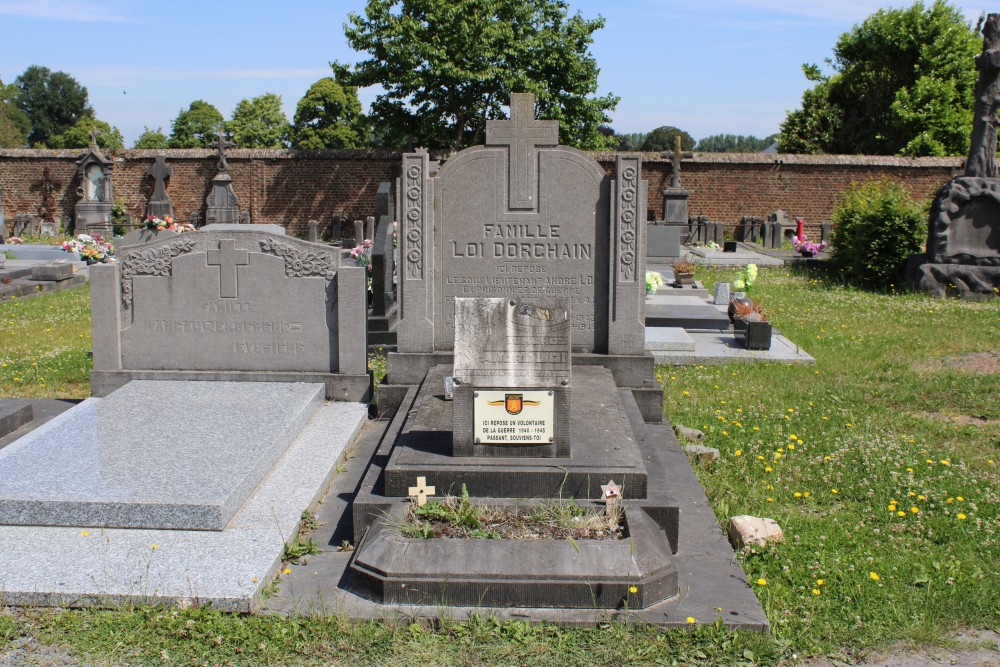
point(513, 417)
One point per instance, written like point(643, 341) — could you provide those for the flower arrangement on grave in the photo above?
point(745, 278)
point(15, 240)
point(750, 325)
point(654, 281)
point(156, 223)
point(93, 249)
point(362, 254)
point(806, 247)
point(748, 311)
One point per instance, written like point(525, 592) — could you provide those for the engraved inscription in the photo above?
point(513, 417)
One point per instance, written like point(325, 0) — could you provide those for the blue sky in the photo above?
point(706, 66)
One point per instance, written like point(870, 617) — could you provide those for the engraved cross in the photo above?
point(421, 491)
point(523, 134)
point(227, 258)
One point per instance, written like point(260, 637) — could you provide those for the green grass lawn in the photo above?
point(879, 463)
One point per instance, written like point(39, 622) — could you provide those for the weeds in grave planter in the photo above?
point(459, 517)
point(298, 548)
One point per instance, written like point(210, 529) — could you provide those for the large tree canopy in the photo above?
point(152, 139)
point(902, 83)
point(329, 116)
point(78, 136)
point(664, 138)
point(197, 126)
point(448, 65)
point(14, 125)
point(52, 101)
point(259, 123)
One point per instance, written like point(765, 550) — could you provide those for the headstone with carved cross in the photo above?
point(222, 206)
point(233, 303)
point(159, 204)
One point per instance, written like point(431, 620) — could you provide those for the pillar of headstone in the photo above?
point(159, 204)
point(370, 227)
point(359, 233)
point(313, 231)
point(382, 267)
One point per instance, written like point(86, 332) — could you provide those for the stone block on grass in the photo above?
point(746, 530)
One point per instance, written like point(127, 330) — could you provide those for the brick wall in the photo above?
point(291, 187)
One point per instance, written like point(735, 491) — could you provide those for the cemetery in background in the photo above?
point(289, 187)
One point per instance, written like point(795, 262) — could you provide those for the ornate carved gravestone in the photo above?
point(230, 305)
point(222, 205)
point(94, 209)
point(963, 240)
point(159, 204)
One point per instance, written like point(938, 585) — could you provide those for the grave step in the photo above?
point(153, 454)
point(668, 339)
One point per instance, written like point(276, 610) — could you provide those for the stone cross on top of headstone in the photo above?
point(160, 171)
point(228, 258)
point(523, 133)
point(675, 162)
point(221, 145)
point(93, 138)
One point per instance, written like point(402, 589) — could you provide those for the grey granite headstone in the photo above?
point(94, 170)
point(522, 217)
point(233, 304)
point(142, 237)
point(359, 232)
point(370, 227)
point(663, 241)
point(159, 204)
point(313, 226)
point(675, 205)
point(512, 377)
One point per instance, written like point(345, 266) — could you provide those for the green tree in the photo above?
point(78, 136)
point(14, 125)
point(662, 139)
point(197, 126)
point(152, 139)
point(259, 123)
point(734, 143)
point(52, 101)
point(902, 83)
point(632, 141)
point(329, 116)
point(448, 65)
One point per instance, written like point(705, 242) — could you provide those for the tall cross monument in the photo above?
point(524, 135)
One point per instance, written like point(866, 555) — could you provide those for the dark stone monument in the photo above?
point(675, 198)
point(47, 211)
point(222, 205)
point(776, 228)
point(522, 273)
point(159, 204)
point(94, 210)
point(963, 240)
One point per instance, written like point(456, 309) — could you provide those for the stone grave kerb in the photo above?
point(230, 305)
point(521, 216)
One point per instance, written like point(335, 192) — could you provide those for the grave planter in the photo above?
point(737, 297)
point(684, 278)
point(753, 335)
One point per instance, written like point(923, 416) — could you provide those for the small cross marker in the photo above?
point(227, 258)
point(611, 490)
point(421, 491)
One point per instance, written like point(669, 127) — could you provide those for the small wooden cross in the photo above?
point(611, 490)
point(675, 162)
point(421, 491)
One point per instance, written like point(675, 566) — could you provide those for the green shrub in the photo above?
point(877, 226)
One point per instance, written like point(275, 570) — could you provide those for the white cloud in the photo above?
point(61, 10)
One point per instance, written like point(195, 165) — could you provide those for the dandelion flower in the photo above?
point(762, 582)
point(797, 494)
point(690, 619)
point(900, 513)
point(873, 576)
point(791, 447)
point(834, 491)
point(961, 517)
point(915, 510)
point(85, 533)
point(739, 452)
point(892, 508)
point(960, 499)
point(287, 570)
point(805, 495)
point(816, 591)
point(820, 582)
point(768, 469)
point(633, 589)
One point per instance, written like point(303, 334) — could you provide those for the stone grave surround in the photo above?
point(230, 305)
point(521, 279)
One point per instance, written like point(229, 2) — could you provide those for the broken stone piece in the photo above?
point(689, 434)
point(746, 530)
point(704, 454)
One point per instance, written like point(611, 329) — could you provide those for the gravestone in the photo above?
point(512, 377)
point(95, 171)
point(313, 231)
point(142, 236)
point(963, 241)
point(222, 205)
point(159, 204)
point(777, 227)
point(675, 197)
point(47, 211)
point(230, 305)
point(3, 221)
point(384, 253)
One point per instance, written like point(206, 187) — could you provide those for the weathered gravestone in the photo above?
point(230, 305)
point(159, 205)
point(94, 170)
point(963, 241)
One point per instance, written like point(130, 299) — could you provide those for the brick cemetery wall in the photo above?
point(290, 188)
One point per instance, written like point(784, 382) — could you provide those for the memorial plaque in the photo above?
point(512, 342)
point(512, 417)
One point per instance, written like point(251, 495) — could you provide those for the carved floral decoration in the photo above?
point(301, 263)
point(151, 262)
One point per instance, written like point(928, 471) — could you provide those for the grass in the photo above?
point(889, 416)
point(45, 345)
